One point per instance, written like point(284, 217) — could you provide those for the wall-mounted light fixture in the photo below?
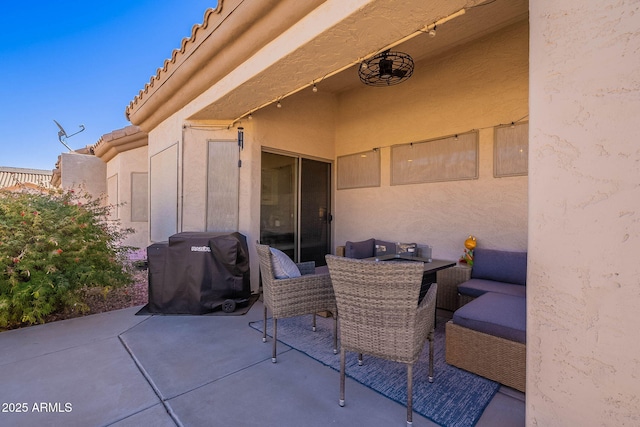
point(241, 138)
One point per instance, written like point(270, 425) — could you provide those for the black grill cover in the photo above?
point(195, 272)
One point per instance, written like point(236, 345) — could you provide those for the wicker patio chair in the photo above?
point(308, 294)
point(380, 315)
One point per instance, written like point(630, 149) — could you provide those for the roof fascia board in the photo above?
point(216, 47)
point(324, 17)
point(120, 141)
point(307, 51)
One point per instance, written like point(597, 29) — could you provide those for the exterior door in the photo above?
point(295, 206)
point(315, 194)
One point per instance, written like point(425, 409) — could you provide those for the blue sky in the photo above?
point(79, 62)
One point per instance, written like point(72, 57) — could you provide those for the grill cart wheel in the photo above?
point(229, 306)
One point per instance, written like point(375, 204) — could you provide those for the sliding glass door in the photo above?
point(315, 194)
point(278, 206)
point(295, 206)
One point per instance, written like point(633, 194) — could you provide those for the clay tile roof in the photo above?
point(118, 141)
point(10, 177)
point(176, 55)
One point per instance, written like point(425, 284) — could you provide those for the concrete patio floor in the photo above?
point(119, 369)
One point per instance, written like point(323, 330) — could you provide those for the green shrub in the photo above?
point(51, 245)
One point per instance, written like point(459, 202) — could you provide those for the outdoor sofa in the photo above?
point(487, 335)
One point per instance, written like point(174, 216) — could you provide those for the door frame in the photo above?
point(299, 157)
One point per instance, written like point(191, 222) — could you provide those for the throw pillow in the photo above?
point(283, 267)
point(359, 250)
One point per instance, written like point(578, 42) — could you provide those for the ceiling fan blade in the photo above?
point(399, 73)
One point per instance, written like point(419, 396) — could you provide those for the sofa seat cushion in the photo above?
point(477, 287)
point(495, 314)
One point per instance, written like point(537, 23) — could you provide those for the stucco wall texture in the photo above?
point(574, 73)
point(583, 289)
point(74, 168)
point(481, 85)
point(119, 170)
point(477, 87)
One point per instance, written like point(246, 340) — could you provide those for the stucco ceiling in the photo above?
point(474, 24)
point(364, 32)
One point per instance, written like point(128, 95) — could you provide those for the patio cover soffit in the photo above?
point(229, 34)
point(333, 37)
point(313, 43)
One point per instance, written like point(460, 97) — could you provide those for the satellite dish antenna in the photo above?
point(62, 134)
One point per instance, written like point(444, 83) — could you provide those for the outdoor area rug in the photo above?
point(456, 398)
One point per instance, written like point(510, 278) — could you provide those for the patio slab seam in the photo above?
point(227, 375)
point(116, 421)
point(148, 378)
point(165, 401)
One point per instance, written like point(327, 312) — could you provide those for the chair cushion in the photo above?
point(495, 314)
point(477, 287)
point(323, 269)
point(283, 267)
point(501, 266)
point(359, 250)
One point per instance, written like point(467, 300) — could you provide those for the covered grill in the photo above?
point(198, 272)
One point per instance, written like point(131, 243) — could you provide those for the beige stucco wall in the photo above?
point(194, 209)
point(579, 204)
point(83, 170)
point(481, 85)
point(119, 170)
point(583, 355)
point(191, 139)
point(190, 202)
point(304, 125)
point(165, 136)
point(478, 87)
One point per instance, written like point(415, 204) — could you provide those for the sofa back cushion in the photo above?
point(359, 250)
point(502, 266)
